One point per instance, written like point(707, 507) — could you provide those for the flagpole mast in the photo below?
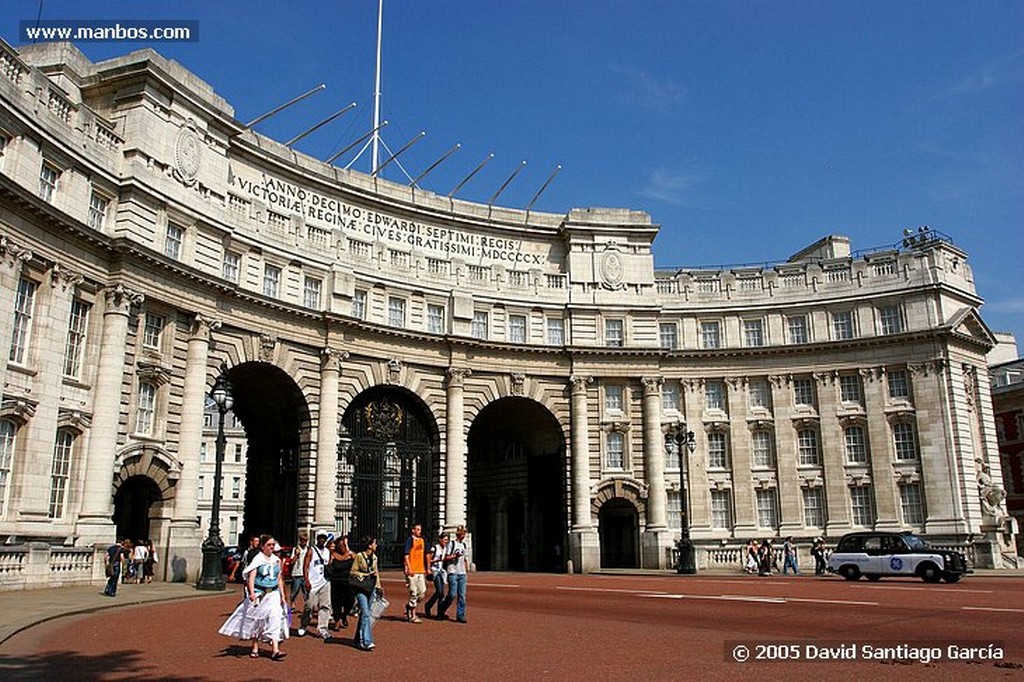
point(374, 162)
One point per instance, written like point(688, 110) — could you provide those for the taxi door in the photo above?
point(895, 557)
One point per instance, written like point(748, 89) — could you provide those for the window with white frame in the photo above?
point(311, 291)
point(60, 472)
point(803, 392)
point(711, 334)
point(435, 318)
point(721, 509)
point(890, 320)
point(615, 449)
point(613, 398)
point(24, 308)
point(201, 489)
point(718, 452)
point(760, 395)
point(146, 410)
point(232, 526)
point(359, 304)
point(862, 505)
point(517, 328)
point(175, 236)
point(904, 441)
point(231, 266)
point(202, 452)
point(714, 394)
point(798, 332)
point(670, 396)
point(98, 205)
point(236, 487)
point(556, 331)
point(238, 453)
point(767, 508)
point(271, 280)
point(814, 507)
point(849, 389)
point(480, 324)
point(672, 460)
point(842, 325)
point(899, 384)
point(7, 433)
point(674, 509)
point(856, 445)
point(152, 330)
point(807, 447)
point(614, 333)
point(911, 504)
point(763, 449)
point(669, 333)
point(753, 333)
point(396, 311)
point(48, 174)
point(74, 344)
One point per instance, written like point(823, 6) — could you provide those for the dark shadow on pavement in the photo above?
point(62, 665)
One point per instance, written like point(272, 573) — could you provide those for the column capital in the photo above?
point(64, 277)
point(331, 359)
point(12, 253)
point(652, 385)
point(457, 376)
point(579, 383)
point(202, 326)
point(120, 299)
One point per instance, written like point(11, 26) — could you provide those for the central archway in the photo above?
point(517, 487)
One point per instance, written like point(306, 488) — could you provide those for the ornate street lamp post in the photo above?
point(684, 440)
point(212, 577)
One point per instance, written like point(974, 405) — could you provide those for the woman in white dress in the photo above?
point(261, 615)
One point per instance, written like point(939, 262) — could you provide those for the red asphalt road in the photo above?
point(558, 627)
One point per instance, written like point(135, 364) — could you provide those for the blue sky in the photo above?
point(747, 129)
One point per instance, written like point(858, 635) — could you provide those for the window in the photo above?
point(862, 506)
point(311, 289)
point(672, 454)
point(889, 319)
point(238, 452)
point(904, 441)
point(761, 445)
point(74, 345)
point(803, 392)
point(614, 456)
point(236, 487)
point(807, 445)
point(24, 305)
point(856, 445)
point(231, 266)
point(556, 331)
point(152, 330)
point(753, 333)
point(359, 304)
point(232, 526)
point(48, 175)
point(435, 319)
point(7, 431)
point(172, 245)
point(767, 516)
point(674, 509)
point(396, 311)
point(911, 504)
point(714, 395)
point(202, 452)
point(517, 328)
point(613, 334)
point(760, 396)
point(98, 205)
point(849, 389)
point(60, 472)
point(146, 409)
point(711, 334)
point(842, 325)
point(201, 489)
point(899, 384)
point(669, 335)
point(271, 280)
point(814, 507)
point(718, 455)
point(670, 396)
point(721, 509)
point(479, 328)
point(798, 329)
point(613, 398)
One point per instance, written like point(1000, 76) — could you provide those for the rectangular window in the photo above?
point(201, 489)
point(238, 453)
point(60, 472)
point(615, 451)
point(271, 280)
point(798, 329)
point(614, 335)
point(236, 487)
point(146, 410)
point(396, 311)
point(889, 319)
point(753, 333)
point(862, 506)
point(911, 504)
point(814, 507)
point(760, 396)
point(674, 510)
point(48, 181)
point(803, 392)
point(669, 335)
point(98, 205)
point(761, 445)
point(24, 307)
point(849, 389)
point(556, 331)
point(899, 384)
point(767, 514)
point(714, 395)
point(74, 345)
point(721, 509)
point(481, 322)
point(711, 334)
point(311, 289)
point(175, 237)
point(856, 445)
point(670, 396)
point(7, 431)
point(904, 441)
point(231, 266)
point(359, 304)
point(517, 329)
point(807, 444)
point(842, 325)
point(435, 319)
point(153, 329)
point(202, 452)
point(232, 526)
point(718, 454)
point(613, 398)
point(671, 454)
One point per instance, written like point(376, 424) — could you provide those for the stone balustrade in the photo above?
point(39, 565)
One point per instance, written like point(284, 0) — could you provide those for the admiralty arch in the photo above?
point(399, 356)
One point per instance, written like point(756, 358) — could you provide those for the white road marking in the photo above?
point(476, 584)
point(763, 600)
point(605, 589)
point(991, 608)
point(834, 601)
point(925, 588)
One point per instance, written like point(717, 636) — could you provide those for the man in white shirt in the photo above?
point(458, 568)
point(318, 587)
point(139, 559)
point(299, 553)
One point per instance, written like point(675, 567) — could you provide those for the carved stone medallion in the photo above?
point(187, 153)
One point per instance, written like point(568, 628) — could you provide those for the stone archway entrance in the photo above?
point(517, 487)
point(133, 502)
point(619, 529)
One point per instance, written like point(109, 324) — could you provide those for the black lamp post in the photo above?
point(212, 577)
point(684, 438)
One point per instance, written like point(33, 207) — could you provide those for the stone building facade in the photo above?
point(396, 355)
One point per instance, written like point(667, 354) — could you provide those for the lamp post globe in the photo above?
point(212, 576)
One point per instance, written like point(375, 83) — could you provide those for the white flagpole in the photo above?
point(376, 91)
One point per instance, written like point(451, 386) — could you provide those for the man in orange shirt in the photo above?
point(417, 563)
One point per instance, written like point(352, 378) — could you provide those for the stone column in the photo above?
point(787, 483)
point(325, 500)
point(455, 455)
point(657, 538)
point(740, 436)
point(882, 454)
point(584, 545)
point(94, 524)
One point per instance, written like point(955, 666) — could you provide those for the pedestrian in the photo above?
point(126, 561)
point(751, 557)
point(149, 566)
point(764, 557)
point(416, 563)
point(366, 586)
point(458, 568)
point(298, 585)
point(789, 556)
point(247, 556)
point(112, 568)
point(260, 615)
point(438, 574)
point(818, 552)
point(341, 592)
point(318, 588)
point(139, 555)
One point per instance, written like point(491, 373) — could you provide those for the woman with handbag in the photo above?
point(365, 583)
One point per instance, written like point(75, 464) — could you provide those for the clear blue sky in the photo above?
point(747, 129)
